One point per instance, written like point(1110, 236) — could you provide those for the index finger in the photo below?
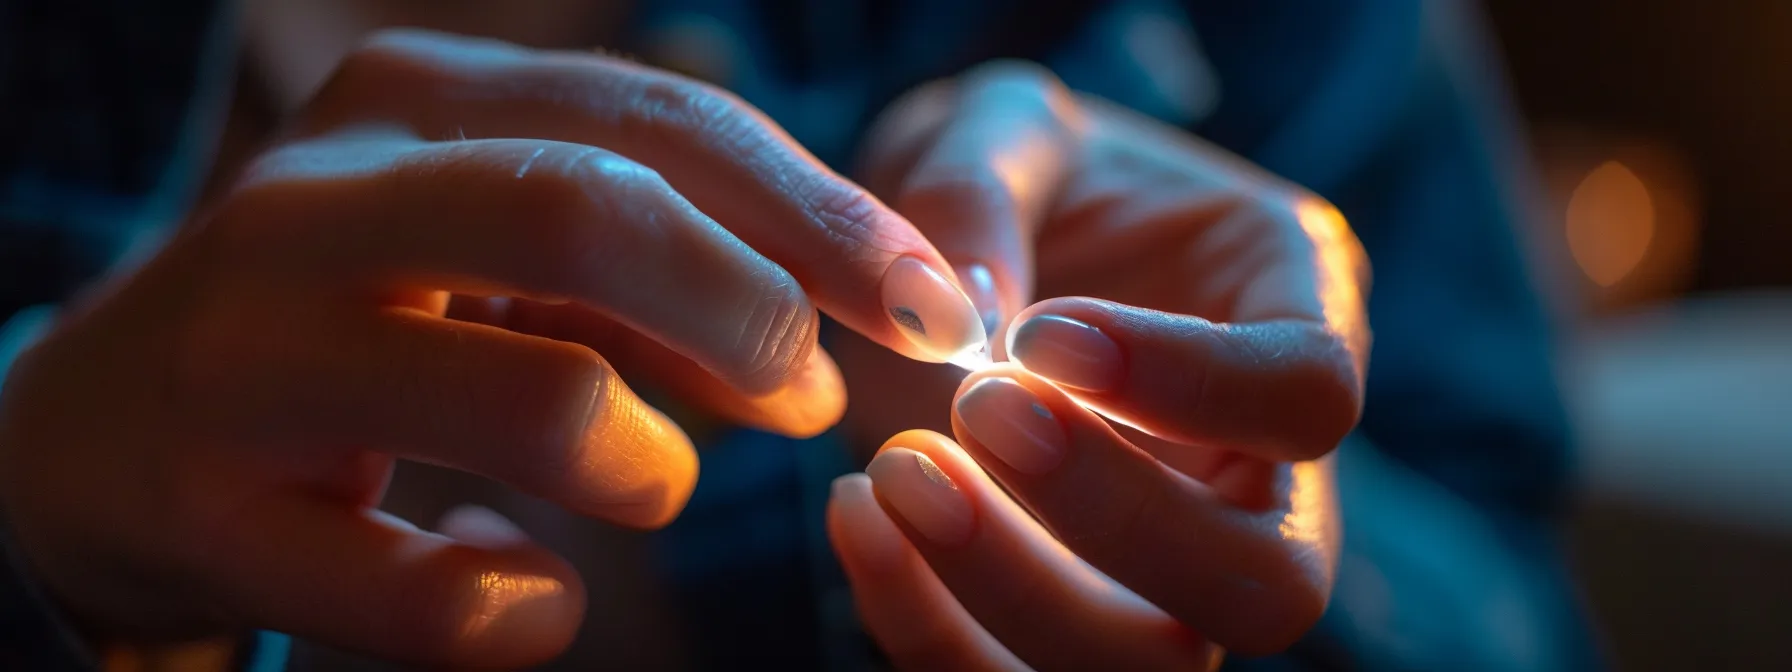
point(860, 262)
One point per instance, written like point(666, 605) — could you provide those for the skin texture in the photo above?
point(1168, 495)
point(462, 250)
point(458, 254)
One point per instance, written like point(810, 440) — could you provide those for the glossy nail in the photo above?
point(923, 495)
point(1068, 351)
point(1011, 422)
point(933, 314)
point(980, 286)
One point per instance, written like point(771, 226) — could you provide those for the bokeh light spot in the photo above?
point(1611, 221)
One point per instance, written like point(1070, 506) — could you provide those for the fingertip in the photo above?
point(518, 607)
point(916, 489)
point(811, 401)
point(641, 471)
point(932, 314)
point(1057, 400)
point(864, 538)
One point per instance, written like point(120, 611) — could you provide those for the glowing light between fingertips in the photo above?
point(979, 358)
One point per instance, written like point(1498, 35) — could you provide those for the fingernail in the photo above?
point(923, 495)
point(1067, 351)
point(980, 286)
point(1011, 422)
point(930, 311)
point(482, 527)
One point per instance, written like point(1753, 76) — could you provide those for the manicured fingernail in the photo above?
point(930, 311)
point(1011, 422)
point(1067, 351)
point(923, 495)
point(980, 285)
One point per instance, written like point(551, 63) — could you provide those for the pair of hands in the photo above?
point(201, 446)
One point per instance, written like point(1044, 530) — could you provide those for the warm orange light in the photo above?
point(500, 592)
point(1312, 512)
point(1611, 222)
point(1340, 271)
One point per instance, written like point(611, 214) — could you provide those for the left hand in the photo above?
point(1217, 315)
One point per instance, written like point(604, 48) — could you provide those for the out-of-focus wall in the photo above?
point(1663, 129)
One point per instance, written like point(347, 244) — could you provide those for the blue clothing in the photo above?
point(1382, 106)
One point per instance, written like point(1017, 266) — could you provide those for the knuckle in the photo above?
point(1018, 73)
point(953, 193)
point(266, 210)
point(387, 58)
point(850, 216)
point(1049, 102)
point(570, 193)
point(682, 110)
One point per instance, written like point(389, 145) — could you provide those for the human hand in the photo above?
point(1213, 312)
point(200, 448)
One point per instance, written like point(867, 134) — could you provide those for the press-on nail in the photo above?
point(922, 494)
point(1067, 351)
point(930, 311)
point(1008, 420)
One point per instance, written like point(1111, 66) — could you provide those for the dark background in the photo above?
point(1712, 78)
point(1681, 390)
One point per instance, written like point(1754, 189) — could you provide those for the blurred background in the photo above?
point(1660, 126)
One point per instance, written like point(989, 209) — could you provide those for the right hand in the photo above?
point(200, 449)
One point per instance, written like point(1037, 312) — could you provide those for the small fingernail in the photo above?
point(930, 311)
point(483, 527)
point(1011, 422)
point(923, 495)
point(980, 286)
point(1067, 351)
